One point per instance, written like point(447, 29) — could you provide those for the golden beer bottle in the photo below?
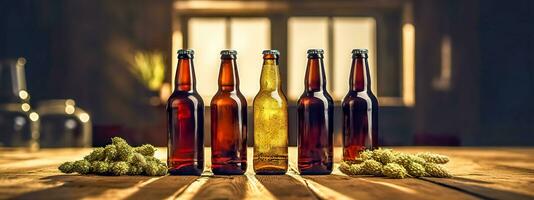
point(270, 120)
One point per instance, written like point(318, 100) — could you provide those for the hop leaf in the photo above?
point(138, 160)
point(393, 170)
point(119, 168)
point(145, 150)
point(416, 169)
point(372, 167)
point(435, 170)
point(433, 158)
point(99, 167)
point(67, 167)
point(96, 155)
point(82, 167)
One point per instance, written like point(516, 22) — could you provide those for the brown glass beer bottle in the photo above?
point(315, 120)
point(360, 109)
point(228, 121)
point(185, 111)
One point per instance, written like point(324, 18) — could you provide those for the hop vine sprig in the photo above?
point(386, 162)
point(117, 159)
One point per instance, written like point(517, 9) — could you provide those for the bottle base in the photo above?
point(228, 169)
point(186, 170)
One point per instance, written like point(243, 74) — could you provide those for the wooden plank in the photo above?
point(384, 188)
point(223, 187)
point(166, 187)
point(499, 173)
point(285, 187)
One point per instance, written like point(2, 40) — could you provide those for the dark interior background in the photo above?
point(73, 49)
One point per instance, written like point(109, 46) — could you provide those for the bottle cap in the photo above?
point(315, 51)
point(271, 52)
point(229, 52)
point(186, 52)
point(360, 51)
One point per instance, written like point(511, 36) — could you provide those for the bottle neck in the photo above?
point(270, 75)
point(360, 78)
point(228, 77)
point(185, 75)
point(315, 79)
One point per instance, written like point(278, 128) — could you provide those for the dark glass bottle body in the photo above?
point(185, 110)
point(315, 120)
point(360, 110)
point(228, 121)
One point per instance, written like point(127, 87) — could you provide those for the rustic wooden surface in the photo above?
point(479, 173)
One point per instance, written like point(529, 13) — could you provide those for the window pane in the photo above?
point(304, 33)
point(351, 33)
point(250, 36)
point(207, 37)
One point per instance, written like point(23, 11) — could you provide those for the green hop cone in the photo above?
point(110, 152)
point(345, 168)
point(405, 160)
point(357, 169)
point(433, 158)
point(151, 169)
point(100, 167)
point(372, 167)
point(135, 170)
point(394, 170)
point(162, 170)
point(416, 169)
point(365, 155)
point(96, 155)
point(124, 150)
point(435, 170)
point(82, 167)
point(145, 150)
point(119, 168)
point(67, 167)
point(384, 156)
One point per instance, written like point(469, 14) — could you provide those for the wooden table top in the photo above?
point(479, 173)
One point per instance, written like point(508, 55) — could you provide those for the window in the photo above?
point(208, 36)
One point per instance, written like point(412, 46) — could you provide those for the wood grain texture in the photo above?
point(479, 173)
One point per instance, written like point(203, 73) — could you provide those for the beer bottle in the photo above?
point(360, 109)
point(185, 111)
point(315, 120)
point(228, 121)
point(270, 119)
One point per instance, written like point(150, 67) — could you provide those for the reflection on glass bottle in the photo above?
point(63, 124)
point(19, 125)
point(360, 109)
point(315, 114)
point(185, 111)
point(228, 120)
point(270, 120)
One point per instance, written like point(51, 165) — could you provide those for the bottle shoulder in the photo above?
point(222, 97)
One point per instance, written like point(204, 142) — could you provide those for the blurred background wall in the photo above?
point(472, 81)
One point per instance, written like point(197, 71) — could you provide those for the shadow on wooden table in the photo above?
point(286, 187)
point(78, 187)
point(482, 189)
point(223, 187)
point(162, 188)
